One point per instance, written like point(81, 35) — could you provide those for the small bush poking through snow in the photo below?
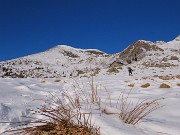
point(62, 116)
point(145, 85)
point(131, 85)
point(132, 115)
point(178, 76)
point(59, 119)
point(113, 70)
point(79, 72)
point(178, 84)
point(57, 80)
point(174, 58)
point(163, 85)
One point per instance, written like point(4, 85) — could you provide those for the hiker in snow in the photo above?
point(130, 71)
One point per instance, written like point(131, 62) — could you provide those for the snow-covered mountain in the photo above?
point(153, 63)
point(66, 61)
point(58, 61)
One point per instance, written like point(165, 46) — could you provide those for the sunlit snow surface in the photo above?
point(17, 96)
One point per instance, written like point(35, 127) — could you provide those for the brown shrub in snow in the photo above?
point(163, 85)
point(145, 85)
point(131, 85)
point(57, 80)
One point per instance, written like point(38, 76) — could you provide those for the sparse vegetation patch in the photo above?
point(178, 76)
point(145, 85)
point(57, 80)
point(95, 52)
point(163, 85)
point(70, 54)
point(131, 85)
point(58, 119)
point(132, 115)
point(80, 72)
point(113, 70)
point(96, 71)
point(174, 58)
point(166, 77)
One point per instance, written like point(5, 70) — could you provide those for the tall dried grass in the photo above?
point(62, 118)
point(131, 114)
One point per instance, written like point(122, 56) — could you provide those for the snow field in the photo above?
point(19, 95)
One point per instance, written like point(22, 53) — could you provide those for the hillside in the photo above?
point(66, 61)
point(59, 61)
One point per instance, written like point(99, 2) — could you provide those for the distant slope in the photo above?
point(58, 61)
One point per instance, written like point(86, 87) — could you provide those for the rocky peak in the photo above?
point(138, 49)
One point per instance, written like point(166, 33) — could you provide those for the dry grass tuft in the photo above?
point(57, 119)
point(131, 85)
point(178, 76)
point(57, 80)
point(132, 115)
point(145, 85)
point(163, 85)
point(178, 84)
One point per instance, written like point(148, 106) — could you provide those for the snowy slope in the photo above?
point(20, 95)
point(157, 63)
point(56, 62)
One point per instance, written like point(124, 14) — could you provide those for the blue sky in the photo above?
point(31, 26)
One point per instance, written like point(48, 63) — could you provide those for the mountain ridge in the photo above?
point(67, 61)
